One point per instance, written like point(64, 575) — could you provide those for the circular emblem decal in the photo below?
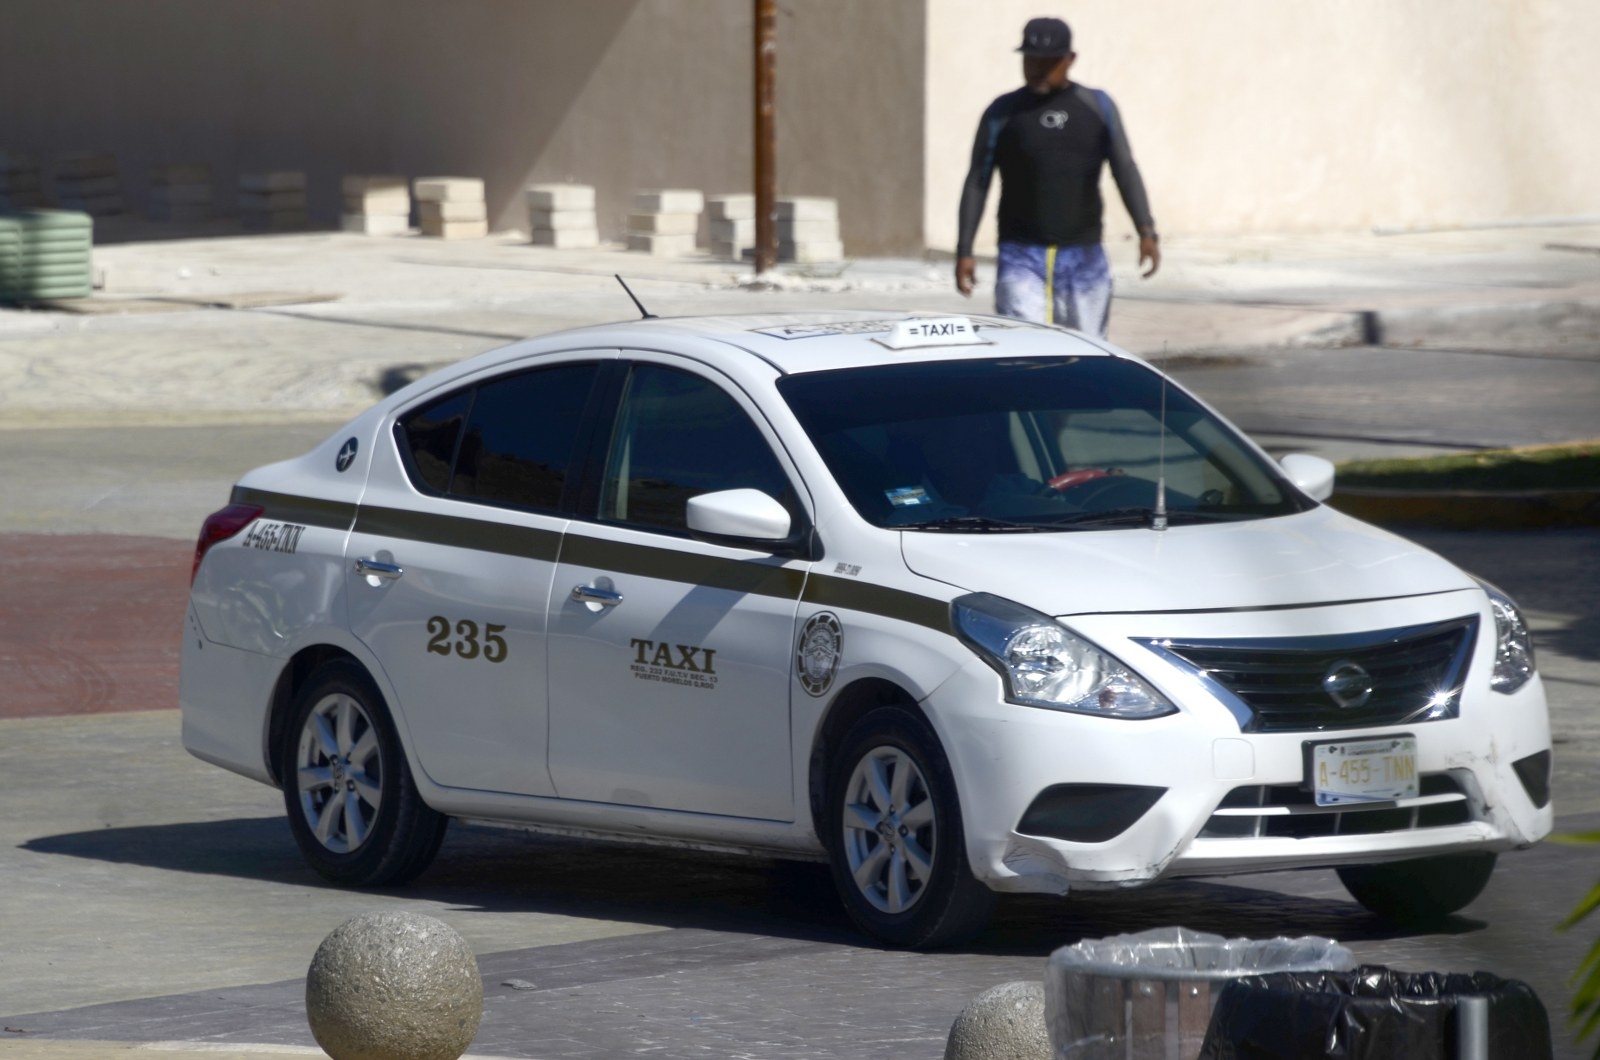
point(1347, 684)
point(817, 660)
point(1053, 119)
point(347, 454)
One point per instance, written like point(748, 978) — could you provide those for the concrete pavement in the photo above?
point(322, 322)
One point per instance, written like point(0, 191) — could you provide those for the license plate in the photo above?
point(1372, 770)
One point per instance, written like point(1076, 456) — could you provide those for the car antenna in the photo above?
point(643, 312)
point(1158, 517)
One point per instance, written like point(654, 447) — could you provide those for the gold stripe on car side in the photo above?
point(480, 535)
point(825, 590)
point(284, 507)
point(762, 577)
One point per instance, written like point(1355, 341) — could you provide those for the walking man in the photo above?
point(1049, 140)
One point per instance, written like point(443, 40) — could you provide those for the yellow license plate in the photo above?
point(1370, 770)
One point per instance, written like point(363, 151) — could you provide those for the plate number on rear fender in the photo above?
point(1379, 769)
point(274, 537)
point(464, 638)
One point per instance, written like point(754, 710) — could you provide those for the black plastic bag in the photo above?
point(1372, 1013)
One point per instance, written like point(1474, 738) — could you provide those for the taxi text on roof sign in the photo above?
point(932, 331)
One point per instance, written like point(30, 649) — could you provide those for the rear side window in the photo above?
point(507, 441)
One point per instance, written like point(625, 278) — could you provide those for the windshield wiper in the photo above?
point(1137, 516)
point(970, 523)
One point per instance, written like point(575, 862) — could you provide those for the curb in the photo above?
point(1472, 509)
point(1471, 324)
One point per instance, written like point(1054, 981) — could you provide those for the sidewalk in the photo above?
point(312, 326)
point(22, 1049)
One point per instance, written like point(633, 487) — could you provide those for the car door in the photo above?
point(670, 656)
point(451, 561)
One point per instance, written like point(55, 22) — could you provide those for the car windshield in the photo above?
point(1029, 445)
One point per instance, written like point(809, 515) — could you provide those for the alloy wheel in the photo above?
point(890, 829)
point(339, 773)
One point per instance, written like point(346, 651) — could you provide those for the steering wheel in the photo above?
point(1114, 490)
point(1068, 479)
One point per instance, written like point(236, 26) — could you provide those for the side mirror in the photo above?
point(739, 516)
point(1312, 474)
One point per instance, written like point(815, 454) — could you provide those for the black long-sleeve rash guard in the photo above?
point(1049, 149)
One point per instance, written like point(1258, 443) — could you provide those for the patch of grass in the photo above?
point(1575, 466)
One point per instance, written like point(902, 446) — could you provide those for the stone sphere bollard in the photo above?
point(1005, 1022)
point(394, 986)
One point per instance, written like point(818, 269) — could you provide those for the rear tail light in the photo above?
point(219, 526)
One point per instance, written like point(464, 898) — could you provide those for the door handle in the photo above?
point(378, 569)
point(589, 594)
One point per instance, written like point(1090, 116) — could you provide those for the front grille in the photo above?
point(1315, 684)
point(1263, 811)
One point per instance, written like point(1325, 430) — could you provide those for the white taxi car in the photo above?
point(962, 606)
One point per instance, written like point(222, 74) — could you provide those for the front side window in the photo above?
point(508, 441)
point(679, 435)
point(1029, 443)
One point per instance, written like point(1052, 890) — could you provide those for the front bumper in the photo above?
point(1225, 801)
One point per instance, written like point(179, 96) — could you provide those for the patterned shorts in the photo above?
point(1070, 286)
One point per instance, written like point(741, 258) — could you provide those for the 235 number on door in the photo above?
point(468, 642)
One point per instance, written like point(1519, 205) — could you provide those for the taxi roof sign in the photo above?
point(932, 331)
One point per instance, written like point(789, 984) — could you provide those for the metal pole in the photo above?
point(766, 168)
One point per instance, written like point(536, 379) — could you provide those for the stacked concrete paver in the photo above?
point(665, 223)
point(180, 194)
point(562, 216)
point(376, 205)
point(808, 230)
point(273, 201)
point(21, 183)
point(89, 183)
point(733, 225)
point(451, 207)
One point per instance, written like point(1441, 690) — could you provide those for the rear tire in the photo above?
point(1422, 890)
point(894, 835)
point(353, 806)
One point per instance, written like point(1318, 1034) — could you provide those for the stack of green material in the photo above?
point(10, 259)
point(55, 255)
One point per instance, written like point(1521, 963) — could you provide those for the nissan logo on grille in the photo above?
point(1347, 684)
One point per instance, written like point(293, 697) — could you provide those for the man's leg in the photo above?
point(1083, 288)
point(1019, 283)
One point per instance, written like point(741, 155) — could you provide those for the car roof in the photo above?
point(823, 340)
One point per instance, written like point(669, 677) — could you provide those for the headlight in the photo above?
point(1045, 665)
point(1513, 650)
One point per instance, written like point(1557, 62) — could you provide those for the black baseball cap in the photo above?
point(1046, 37)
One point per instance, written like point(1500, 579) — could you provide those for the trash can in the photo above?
point(1373, 1013)
point(1149, 996)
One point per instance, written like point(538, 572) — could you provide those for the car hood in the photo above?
point(1315, 557)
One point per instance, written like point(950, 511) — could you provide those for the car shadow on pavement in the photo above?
point(257, 848)
point(492, 870)
point(1024, 923)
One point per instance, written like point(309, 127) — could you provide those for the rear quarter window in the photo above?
point(428, 439)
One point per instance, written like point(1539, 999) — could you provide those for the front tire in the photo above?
point(894, 835)
point(1422, 890)
point(352, 804)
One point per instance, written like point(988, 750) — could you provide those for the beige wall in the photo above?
point(1245, 115)
point(1263, 115)
point(623, 94)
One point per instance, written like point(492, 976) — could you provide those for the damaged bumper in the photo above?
point(1053, 802)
